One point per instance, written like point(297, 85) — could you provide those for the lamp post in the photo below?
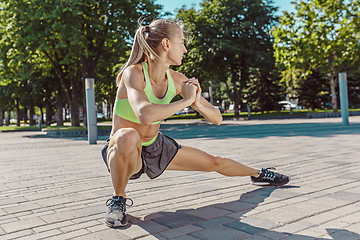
point(91, 110)
point(344, 104)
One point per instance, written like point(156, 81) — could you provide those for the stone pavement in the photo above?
point(56, 188)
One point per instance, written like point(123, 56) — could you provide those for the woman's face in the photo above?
point(177, 48)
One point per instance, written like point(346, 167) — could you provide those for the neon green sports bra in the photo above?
point(123, 109)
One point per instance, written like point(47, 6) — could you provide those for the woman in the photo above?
point(146, 87)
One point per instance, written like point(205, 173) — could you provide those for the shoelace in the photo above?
point(269, 174)
point(118, 204)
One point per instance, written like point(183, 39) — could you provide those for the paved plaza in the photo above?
point(56, 188)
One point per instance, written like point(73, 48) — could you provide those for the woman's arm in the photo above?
point(145, 111)
point(201, 105)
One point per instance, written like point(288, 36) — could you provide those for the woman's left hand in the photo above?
point(198, 92)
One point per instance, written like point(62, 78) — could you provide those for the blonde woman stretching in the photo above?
point(146, 86)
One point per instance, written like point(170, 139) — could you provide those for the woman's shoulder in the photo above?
point(177, 77)
point(133, 72)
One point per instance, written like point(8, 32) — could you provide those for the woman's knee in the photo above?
point(125, 141)
point(216, 163)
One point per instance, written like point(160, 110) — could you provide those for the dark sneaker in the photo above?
point(116, 214)
point(269, 178)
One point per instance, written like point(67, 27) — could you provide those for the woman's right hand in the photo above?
point(189, 91)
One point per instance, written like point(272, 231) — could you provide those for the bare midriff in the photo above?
point(146, 132)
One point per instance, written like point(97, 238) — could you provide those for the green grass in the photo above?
point(18, 128)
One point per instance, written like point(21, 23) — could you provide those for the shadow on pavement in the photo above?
point(190, 131)
point(213, 222)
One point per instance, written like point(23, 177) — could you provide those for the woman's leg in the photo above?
point(192, 159)
point(124, 158)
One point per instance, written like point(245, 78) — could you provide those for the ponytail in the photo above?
point(146, 40)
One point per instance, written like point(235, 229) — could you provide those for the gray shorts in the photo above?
point(155, 157)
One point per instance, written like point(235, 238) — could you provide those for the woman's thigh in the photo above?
point(125, 146)
point(192, 159)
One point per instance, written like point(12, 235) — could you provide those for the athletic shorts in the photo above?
point(155, 157)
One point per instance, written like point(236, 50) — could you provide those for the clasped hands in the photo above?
point(192, 90)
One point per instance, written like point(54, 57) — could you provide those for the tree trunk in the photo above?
point(17, 112)
point(74, 109)
point(49, 113)
point(333, 92)
point(1, 117)
point(42, 115)
point(234, 79)
point(243, 80)
point(32, 114)
point(25, 115)
point(7, 121)
point(59, 109)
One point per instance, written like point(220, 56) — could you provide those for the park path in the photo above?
point(56, 188)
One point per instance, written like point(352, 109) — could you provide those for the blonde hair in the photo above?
point(147, 39)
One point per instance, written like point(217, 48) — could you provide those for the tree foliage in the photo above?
point(73, 35)
point(231, 39)
point(319, 37)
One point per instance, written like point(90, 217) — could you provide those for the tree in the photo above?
point(314, 91)
point(72, 35)
point(229, 38)
point(317, 37)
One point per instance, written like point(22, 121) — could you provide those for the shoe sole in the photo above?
point(269, 184)
point(116, 224)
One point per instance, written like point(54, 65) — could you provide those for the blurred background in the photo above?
point(251, 56)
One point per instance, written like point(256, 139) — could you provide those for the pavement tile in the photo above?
point(99, 227)
point(177, 220)
point(350, 218)
point(143, 228)
point(42, 235)
point(74, 227)
point(16, 235)
point(2, 212)
point(152, 237)
point(184, 237)
point(344, 234)
point(214, 222)
point(244, 227)
point(63, 216)
point(346, 195)
point(49, 227)
point(219, 232)
point(236, 206)
point(103, 235)
point(12, 200)
point(151, 226)
point(273, 234)
point(69, 235)
point(294, 227)
point(176, 232)
point(254, 221)
point(208, 212)
point(23, 224)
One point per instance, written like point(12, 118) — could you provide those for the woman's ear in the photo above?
point(165, 43)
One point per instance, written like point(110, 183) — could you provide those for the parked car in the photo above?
point(222, 110)
point(188, 110)
point(286, 105)
point(179, 113)
point(100, 116)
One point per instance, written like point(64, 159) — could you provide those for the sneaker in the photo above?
point(269, 178)
point(116, 214)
